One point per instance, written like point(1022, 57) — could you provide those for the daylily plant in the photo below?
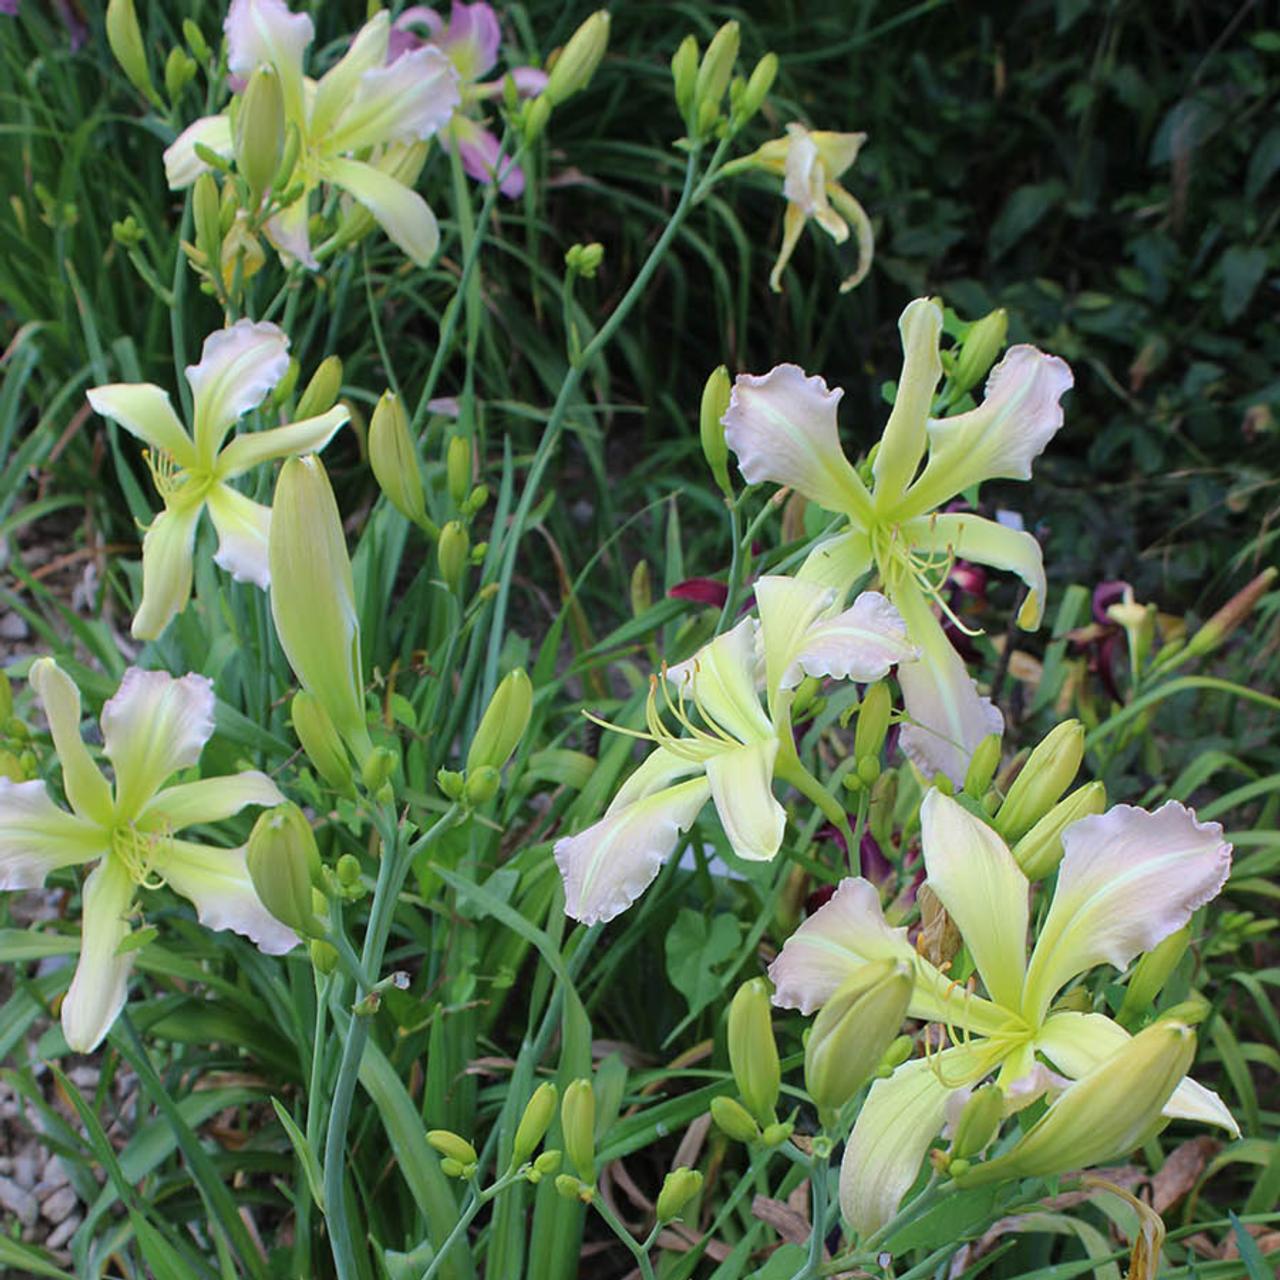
point(153, 726)
point(1128, 879)
point(471, 41)
point(810, 162)
point(782, 426)
point(238, 368)
point(362, 127)
point(732, 756)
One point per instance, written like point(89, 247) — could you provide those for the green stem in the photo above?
point(477, 1202)
point(637, 1250)
point(818, 1176)
point(735, 568)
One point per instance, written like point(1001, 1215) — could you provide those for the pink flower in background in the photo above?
point(471, 41)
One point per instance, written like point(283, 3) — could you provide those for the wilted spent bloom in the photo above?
point(1230, 616)
point(753, 1052)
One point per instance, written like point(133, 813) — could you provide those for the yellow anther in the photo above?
point(166, 475)
point(136, 850)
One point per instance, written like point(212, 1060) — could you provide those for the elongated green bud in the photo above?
point(377, 769)
point(453, 551)
point(394, 460)
point(579, 59)
point(641, 588)
point(761, 81)
point(195, 40)
point(206, 208)
point(1151, 973)
point(684, 75)
point(1046, 775)
point(983, 766)
point(449, 1144)
point(534, 121)
point(458, 469)
point(124, 35)
point(179, 70)
point(734, 1120)
point(753, 1053)
point(1040, 850)
point(313, 597)
point(549, 1162)
point(503, 724)
point(321, 742)
point(1102, 1116)
point(873, 722)
point(852, 1033)
point(679, 1187)
point(321, 393)
point(715, 404)
point(288, 161)
point(979, 1122)
point(1230, 616)
point(284, 865)
point(6, 698)
point(259, 131)
point(534, 1123)
point(983, 342)
point(716, 70)
point(578, 1120)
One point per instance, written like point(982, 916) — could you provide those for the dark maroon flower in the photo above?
point(701, 591)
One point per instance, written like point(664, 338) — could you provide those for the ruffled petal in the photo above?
point(407, 100)
point(36, 837)
point(896, 1126)
point(402, 213)
point(903, 442)
point(609, 865)
point(153, 726)
point(970, 537)
point(471, 39)
point(181, 164)
point(948, 717)
point(98, 989)
point(721, 679)
point(166, 570)
point(252, 448)
point(838, 562)
point(339, 85)
point(481, 154)
point(782, 426)
point(88, 792)
point(1001, 437)
point(217, 883)
point(742, 788)
point(265, 31)
point(1128, 878)
point(191, 804)
point(144, 410)
point(983, 889)
point(238, 367)
point(243, 529)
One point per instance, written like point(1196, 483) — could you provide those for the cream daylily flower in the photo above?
point(238, 367)
point(1128, 879)
point(732, 756)
point(356, 125)
point(153, 726)
point(809, 163)
point(782, 426)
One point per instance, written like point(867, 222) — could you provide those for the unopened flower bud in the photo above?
point(284, 865)
point(124, 35)
point(324, 956)
point(378, 768)
point(776, 1134)
point(684, 75)
point(451, 782)
point(321, 392)
point(453, 552)
point(549, 1162)
point(394, 460)
point(641, 589)
point(1194, 1010)
point(6, 697)
point(207, 216)
point(449, 1144)
point(715, 404)
point(280, 184)
point(179, 70)
point(577, 1120)
point(982, 766)
point(1103, 1115)
point(983, 342)
point(452, 1168)
point(873, 721)
point(679, 1187)
point(482, 785)
point(979, 1122)
point(539, 1112)
point(321, 742)
point(716, 69)
point(11, 767)
point(536, 116)
point(734, 1120)
point(852, 1032)
point(579, 59)
point(313, 598)
point(1151, 973)
point(1230, 616)
point(259, 130)
point(1046, 775)
point(475, 503)
point(570, 1188)
point(758, 86)
point(458, 468)
point(895, 1055)
point(753, 1053)
point(503, 724)
point(196, 42)
point(1040, 850)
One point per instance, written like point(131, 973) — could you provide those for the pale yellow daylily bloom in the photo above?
point(361, 127)
point(238, 368)
point(1128, 879)
point(730, 752)
point(782, 426)
point(153, 726)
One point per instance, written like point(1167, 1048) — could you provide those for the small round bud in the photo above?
point(549, 1162)
point(451, 1145)
point(482, 785)
point(679, 1187)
